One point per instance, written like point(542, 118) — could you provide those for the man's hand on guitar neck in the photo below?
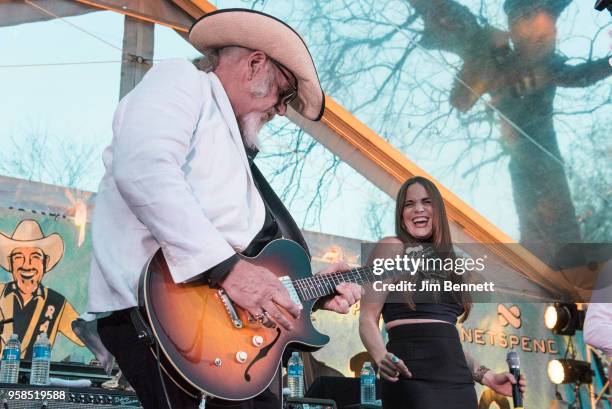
point(259, 291)
point(348, 293)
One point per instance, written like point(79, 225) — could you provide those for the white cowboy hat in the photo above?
point(29, 234)
point(259, 31)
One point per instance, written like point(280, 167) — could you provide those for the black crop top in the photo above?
point(427, 305)
point(447, 312)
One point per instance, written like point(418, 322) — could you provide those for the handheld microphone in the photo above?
point(514, 368)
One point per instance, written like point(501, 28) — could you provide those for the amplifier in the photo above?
point(67, 370)
point(55, 405)
point(31, 397)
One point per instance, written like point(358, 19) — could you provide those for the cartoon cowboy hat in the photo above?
point(259, 31)
point(29, 234)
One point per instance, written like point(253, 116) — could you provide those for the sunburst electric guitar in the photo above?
point(209, 345)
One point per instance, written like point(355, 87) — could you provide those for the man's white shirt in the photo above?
point(598, 322)
point(177, 177)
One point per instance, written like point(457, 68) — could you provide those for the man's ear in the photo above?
point(256, 63)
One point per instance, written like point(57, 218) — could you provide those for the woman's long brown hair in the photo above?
point(440, 236)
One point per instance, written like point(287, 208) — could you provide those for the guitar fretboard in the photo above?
point(321, 285)
point(317, 286)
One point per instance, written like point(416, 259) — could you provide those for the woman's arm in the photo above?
point(389, 366)
point(373, 301)
point(369, 331)
point(478, 371)
point(370, 310)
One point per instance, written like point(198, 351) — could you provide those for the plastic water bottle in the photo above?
point(41, 359)
point(295, 375)
point(368, 384)
point(9, 368)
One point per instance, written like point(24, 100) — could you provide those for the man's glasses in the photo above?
point(286, 97)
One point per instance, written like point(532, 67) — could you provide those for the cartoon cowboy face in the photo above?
point(28, 255)
point(28, 265)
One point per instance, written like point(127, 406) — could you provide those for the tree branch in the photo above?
point(583, 75)
point(450, 26)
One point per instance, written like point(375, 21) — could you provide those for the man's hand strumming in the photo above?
point(257, 290)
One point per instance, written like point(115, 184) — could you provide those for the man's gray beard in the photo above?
point(250, 125)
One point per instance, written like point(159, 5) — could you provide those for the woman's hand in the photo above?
point(390, 367)
point(502, 382)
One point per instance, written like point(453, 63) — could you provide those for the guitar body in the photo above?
point(199, 341)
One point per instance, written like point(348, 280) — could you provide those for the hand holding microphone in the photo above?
point(505, 383)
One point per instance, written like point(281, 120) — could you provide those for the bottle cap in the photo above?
point(295, 353)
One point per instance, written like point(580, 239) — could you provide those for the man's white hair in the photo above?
point(210, 58)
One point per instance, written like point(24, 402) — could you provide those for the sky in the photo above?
point(75, 102)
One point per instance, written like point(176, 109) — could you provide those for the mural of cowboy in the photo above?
point(28, 255)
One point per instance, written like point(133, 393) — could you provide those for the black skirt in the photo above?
point(440, 375)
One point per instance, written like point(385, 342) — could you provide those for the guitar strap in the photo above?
point(286, 224)
point(143, 331)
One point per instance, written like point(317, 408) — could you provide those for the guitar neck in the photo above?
point(317, 286)
point(321, 285)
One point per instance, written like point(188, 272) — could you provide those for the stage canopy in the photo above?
point(503, 105)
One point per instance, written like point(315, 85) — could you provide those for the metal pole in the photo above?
point(138, 40)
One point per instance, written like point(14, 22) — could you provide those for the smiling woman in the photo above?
point(424, 352)
point(420, 212)
point(417, 214)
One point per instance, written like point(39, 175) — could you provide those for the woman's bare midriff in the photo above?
point(396, 323)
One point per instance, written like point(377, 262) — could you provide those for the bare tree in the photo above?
point(39, 157)
point(523, 81)
point(385, 72)
point(592, 198)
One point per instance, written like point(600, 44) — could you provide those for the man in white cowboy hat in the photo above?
point(178, 177)
point(28, 255)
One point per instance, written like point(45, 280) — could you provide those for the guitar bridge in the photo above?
point(229, 308)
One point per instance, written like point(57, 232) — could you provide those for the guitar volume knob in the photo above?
point(218, 362)
point(258, 340)
point(241, 356)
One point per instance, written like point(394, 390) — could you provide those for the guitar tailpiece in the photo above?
point(229, 308)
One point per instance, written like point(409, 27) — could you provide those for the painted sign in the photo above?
point(29, 255)
point(43, 280)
